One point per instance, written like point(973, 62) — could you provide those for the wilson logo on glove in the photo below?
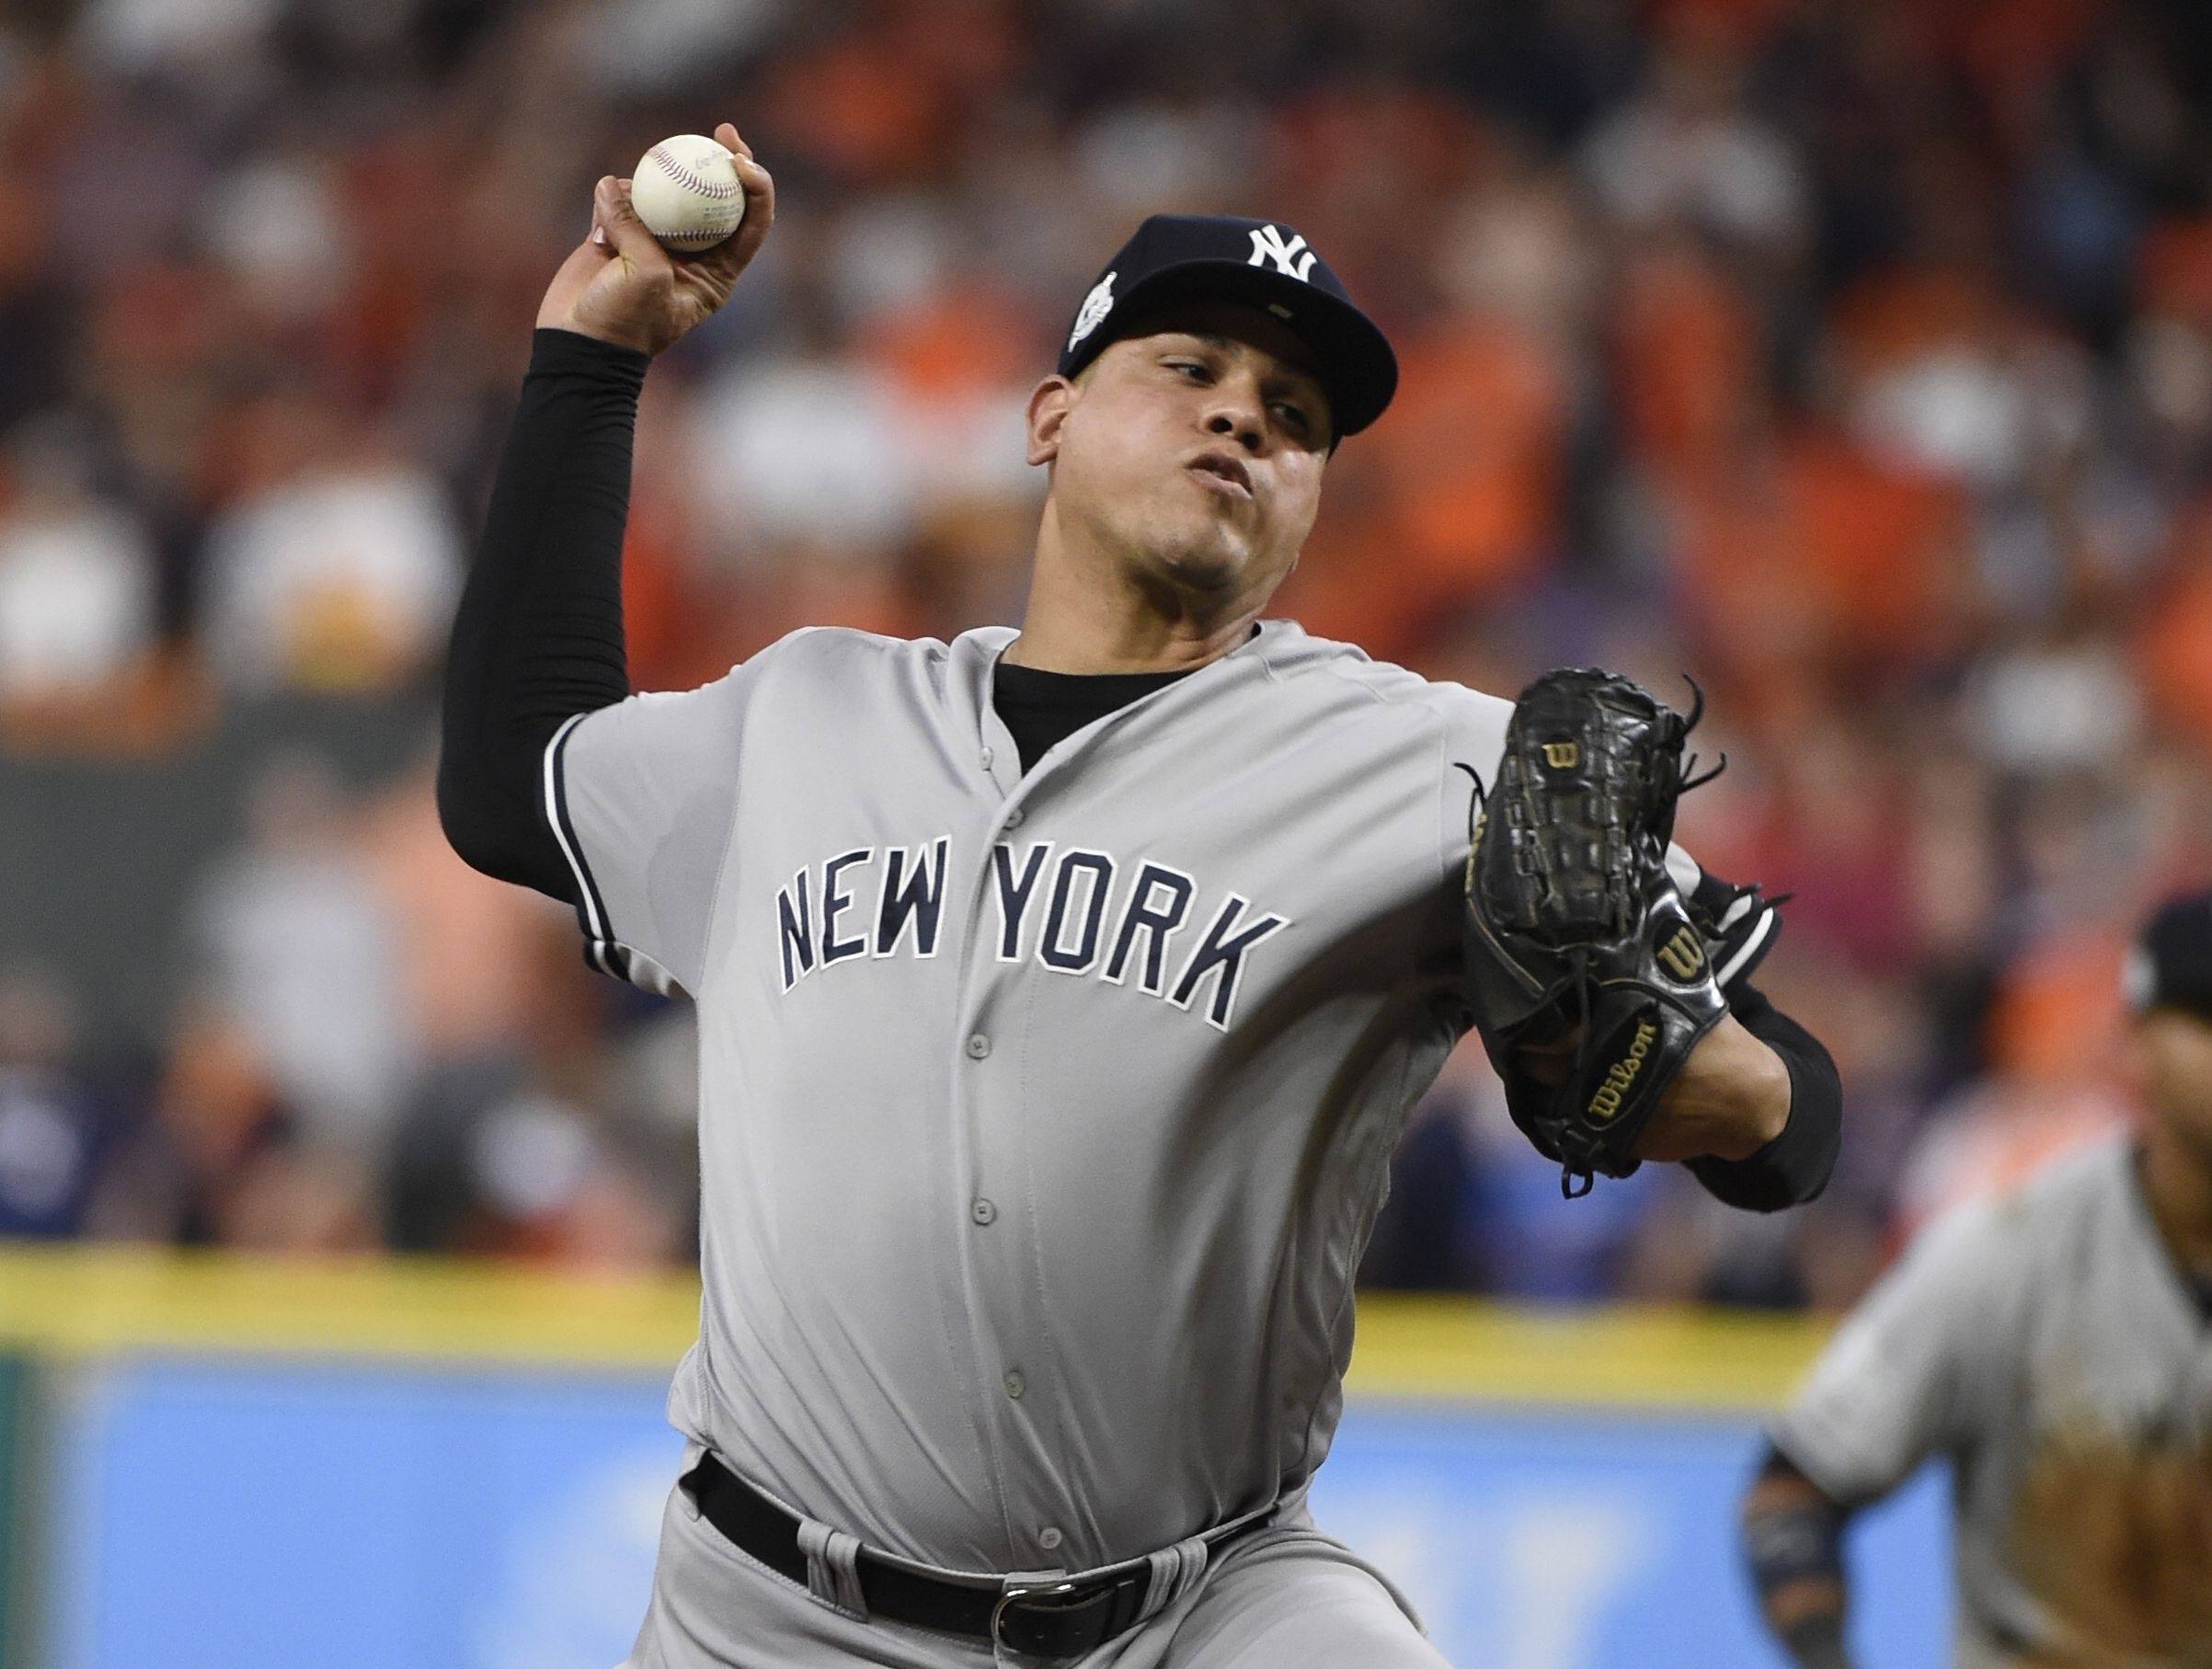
point(1684, 957)
point(1622, 1073)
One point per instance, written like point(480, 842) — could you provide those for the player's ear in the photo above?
point(1049, 403)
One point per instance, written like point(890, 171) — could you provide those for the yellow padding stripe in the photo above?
point(78, 1301)
point(1623, 1357)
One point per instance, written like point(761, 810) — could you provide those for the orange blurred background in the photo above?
point(1852, 355)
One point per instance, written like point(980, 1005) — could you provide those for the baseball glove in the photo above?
point(1579, 947)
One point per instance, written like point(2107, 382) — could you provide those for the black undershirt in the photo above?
point(1043, 709)
point(538, 638)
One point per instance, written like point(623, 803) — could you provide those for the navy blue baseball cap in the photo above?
point(1261, 264)
point(2170, 965)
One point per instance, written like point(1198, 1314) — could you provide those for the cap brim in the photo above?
point(1356, 367)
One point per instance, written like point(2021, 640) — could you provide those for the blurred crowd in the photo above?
point(1854, 355)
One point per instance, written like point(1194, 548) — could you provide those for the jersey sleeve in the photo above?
point(641, 796)
point(1741, 923)
point(1904, 1376)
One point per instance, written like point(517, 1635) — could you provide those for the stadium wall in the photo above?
point(435, 1464)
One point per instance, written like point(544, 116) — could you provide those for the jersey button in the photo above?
point(979, 1046)
point(987, 757)
point(1015, 1384)
point(1013, 818)
point(1049, 1537)
point(984, 1213)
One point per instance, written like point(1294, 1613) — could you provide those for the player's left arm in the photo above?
point(1732, 1097)
point(1756, 1111)
point(1793, 1164)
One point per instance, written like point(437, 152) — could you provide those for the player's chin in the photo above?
point(1218, 560)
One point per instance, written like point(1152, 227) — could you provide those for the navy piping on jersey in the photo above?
point(601, 948)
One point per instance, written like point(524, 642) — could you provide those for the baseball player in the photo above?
point(2054, 1344)
point(1062, 992)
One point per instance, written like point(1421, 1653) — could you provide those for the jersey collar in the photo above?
point(974, 653)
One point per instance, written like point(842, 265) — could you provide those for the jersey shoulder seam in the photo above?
point(858, 637)
point(784, 658)
point(1353, 666)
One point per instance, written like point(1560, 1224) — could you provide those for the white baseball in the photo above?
point(687, 192)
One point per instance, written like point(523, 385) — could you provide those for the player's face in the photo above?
point(2174, 1051)
point(1193, 452)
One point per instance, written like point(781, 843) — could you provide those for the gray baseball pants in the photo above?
point(1286, 1597)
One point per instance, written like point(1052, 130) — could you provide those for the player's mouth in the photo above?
point(1222, 472)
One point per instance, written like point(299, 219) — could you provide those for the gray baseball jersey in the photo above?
point(1042, 1117)
point(2043, 1340)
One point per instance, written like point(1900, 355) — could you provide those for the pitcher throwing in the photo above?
point(1062, 991)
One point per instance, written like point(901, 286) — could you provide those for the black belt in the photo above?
point(1045, 1617)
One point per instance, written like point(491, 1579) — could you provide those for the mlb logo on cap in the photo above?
point(1261, 263)
point(1293, 257)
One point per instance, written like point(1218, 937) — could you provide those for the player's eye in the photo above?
point(1293, 418)
point(1192, 369)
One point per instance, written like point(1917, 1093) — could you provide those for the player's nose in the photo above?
point(1236, 416)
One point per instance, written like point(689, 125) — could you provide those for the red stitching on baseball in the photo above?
point(685, 176)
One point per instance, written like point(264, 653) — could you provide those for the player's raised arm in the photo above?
point(538, 637)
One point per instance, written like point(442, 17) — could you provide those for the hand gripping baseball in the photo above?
point(621, 286)
point(1581, 954)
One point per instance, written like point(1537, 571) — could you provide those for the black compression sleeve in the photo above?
point(538, 636)
point(1793, 1167)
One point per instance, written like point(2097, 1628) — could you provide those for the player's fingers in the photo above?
point(759, 197)
point(731, 255)
point(611, 209)
point(726, 135)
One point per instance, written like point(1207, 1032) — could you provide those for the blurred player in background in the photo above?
point(2054, 1344)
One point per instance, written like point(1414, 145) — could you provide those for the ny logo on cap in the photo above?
point(1094, 308)
point(1268, 248)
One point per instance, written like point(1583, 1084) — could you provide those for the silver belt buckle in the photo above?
point(1018, 1593)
